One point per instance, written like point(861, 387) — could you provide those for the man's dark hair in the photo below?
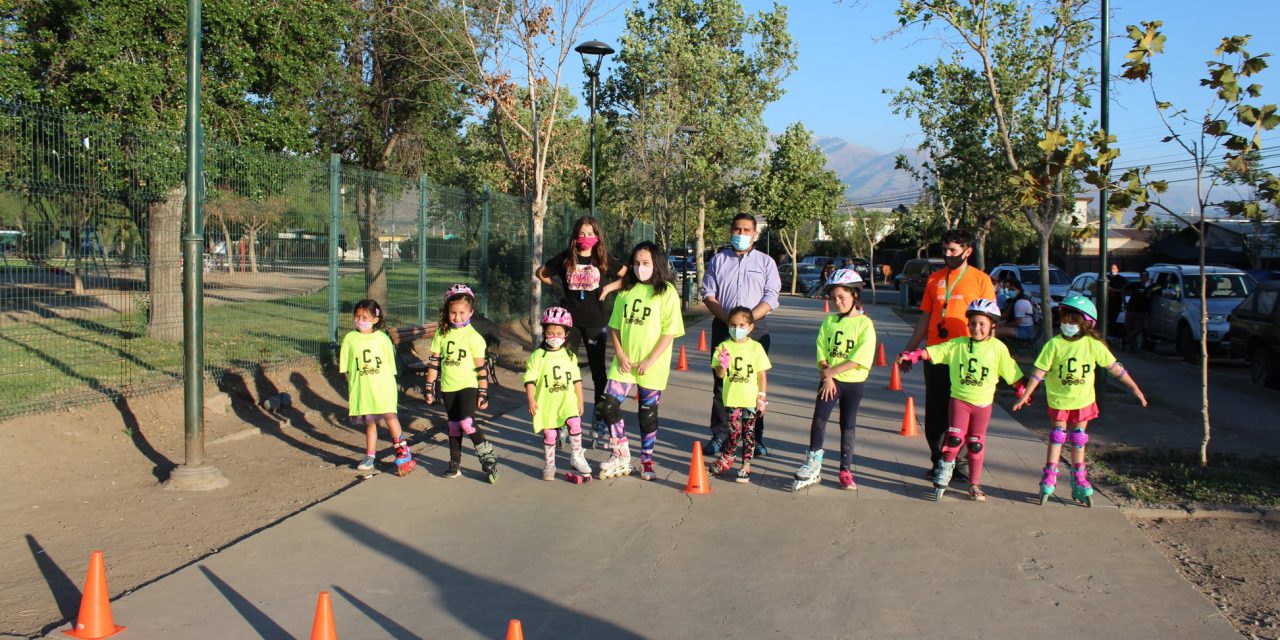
point(745, 216)
point(961, 237)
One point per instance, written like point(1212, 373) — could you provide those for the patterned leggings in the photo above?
point(742, 428)
point(649, 401)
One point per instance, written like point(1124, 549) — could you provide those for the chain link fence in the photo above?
point(91, 266)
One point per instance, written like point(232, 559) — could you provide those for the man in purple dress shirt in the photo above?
point(738, 276)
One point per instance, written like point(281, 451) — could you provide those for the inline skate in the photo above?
point(810, 472)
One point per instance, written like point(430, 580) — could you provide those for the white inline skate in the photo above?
point(615, 467)
point(943, 478)
point(810, 473)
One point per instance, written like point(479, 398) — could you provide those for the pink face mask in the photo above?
point(586, 242)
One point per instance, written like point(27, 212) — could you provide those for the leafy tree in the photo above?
point(1222, 142)
point(262, 64)
point(796, 188)
point(704, 64)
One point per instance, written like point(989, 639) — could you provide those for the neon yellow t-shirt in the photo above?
point(553, 374)
point(741, 381)
point(974, 372)
point(369, 360)
point(641, 317)
point(842, 339)
point(458, 350)
point(1070, 367)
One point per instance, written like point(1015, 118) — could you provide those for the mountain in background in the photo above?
point(869, 175)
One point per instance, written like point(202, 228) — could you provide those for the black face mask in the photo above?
point(953, 262)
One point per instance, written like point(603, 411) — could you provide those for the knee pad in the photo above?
point(467, 426)
point(648, 418)
point(953, 441)
point(610, 409)
point(575, 425)
point(1079, 438)
point(1058, 435)
point(455, 431)
point(549, 437)
point(975, 444)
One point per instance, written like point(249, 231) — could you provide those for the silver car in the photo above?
point(1175, 305)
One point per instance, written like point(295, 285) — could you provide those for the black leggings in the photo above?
point(937, 407)
point(849, 397)
point(460, 406)
point(594, 339)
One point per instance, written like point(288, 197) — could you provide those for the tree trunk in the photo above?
point(226, 243)
point(1204, 349)
point(980, 246)
point(1046, 323)
point(871, 270)
point(699, 239)
point(164, 272)
point(375, 276)
point(253, 249)
point(539, 211)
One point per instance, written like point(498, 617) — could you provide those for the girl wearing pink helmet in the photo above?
point(457, 365)
point(553, 387)
point(977, 363)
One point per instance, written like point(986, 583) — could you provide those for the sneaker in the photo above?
point(454, 470)
point(846, 480)
point(366, 464)
point(744, 475)
point(646, 470)
point(714, 446)
point(549, 472)
point(761, 451)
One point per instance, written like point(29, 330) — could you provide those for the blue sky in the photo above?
point(845, 62)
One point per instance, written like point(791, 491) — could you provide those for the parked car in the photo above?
point(1254, 333)
point(861, 266)
point(819, 261)
point(1175, 305)
point(1029, 276)
point(1086, 284)
point(915, 273)
point(809, 276)
point(682, 269)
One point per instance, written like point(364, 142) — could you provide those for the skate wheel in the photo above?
point(937, 494)
point(1044, 498)
point(405, 469)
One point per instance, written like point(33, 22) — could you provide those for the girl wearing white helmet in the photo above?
point(976, 363)
point(845, 345)
point(553, 387)
point(1070, 361)
point(457, 364)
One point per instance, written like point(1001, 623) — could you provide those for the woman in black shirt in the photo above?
point(587, 276)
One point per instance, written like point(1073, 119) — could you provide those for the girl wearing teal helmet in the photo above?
point(1069, 361)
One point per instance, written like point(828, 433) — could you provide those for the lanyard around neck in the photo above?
point(946, 300)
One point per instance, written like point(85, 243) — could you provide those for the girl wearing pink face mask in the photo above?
point(645, 321)
point(586, 275)
point(369, 360)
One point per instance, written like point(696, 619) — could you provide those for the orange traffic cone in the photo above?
point(895, 380)
point(514, 631)
point(322, 628)
point(95, 620)
point(826, 306)
point(702, 340)
point(697, 473)
point(909, 419)
point(682, 364)
point(880, 361)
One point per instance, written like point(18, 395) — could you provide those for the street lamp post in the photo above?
point(688, 131)
point(599, 50)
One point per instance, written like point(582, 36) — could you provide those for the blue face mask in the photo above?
point(1070, 330)
point(738, 333)
point(741, 243)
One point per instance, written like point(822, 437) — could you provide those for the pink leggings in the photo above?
point(967, 427)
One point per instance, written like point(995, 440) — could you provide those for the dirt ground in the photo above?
point(85, 479)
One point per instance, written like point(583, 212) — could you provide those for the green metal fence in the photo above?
point(90, 263)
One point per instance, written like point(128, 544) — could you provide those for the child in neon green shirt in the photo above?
point(1070, 361)
point(976, 363)
point(369, 360)
point(553, 386)
point(742, 363)
point(457, 373)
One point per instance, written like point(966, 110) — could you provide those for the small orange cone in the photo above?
point(322, 628)
point(702, 340)
point(895, 379)
point(95, 620)
point(697, 473)
point(682, 364)
point(514, 631)
point(826, 306)
point(880, 361)
point(909, 419)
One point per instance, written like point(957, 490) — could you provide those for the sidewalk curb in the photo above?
point(1261, 514)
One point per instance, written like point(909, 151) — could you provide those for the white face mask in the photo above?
point(738, 333)
point(363, 325)
point(1070, 330)
point(555, 343)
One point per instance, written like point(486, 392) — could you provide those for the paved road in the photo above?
point(425, 557)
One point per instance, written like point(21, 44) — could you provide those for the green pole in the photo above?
point(422, 249)
point(335, 227)
point(194, 474)
point(1103, 217)
point(484, 252)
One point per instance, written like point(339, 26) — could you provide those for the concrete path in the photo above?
point(425, 557)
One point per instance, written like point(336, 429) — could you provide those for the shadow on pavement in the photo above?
point(65, 592)
point(459, 590)
point(260, 621)
point(393, 628)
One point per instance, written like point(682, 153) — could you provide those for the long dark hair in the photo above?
point(370, 305)
point(599, 254)
point(1085, 329)
point(662, 277)
point(444, 326)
